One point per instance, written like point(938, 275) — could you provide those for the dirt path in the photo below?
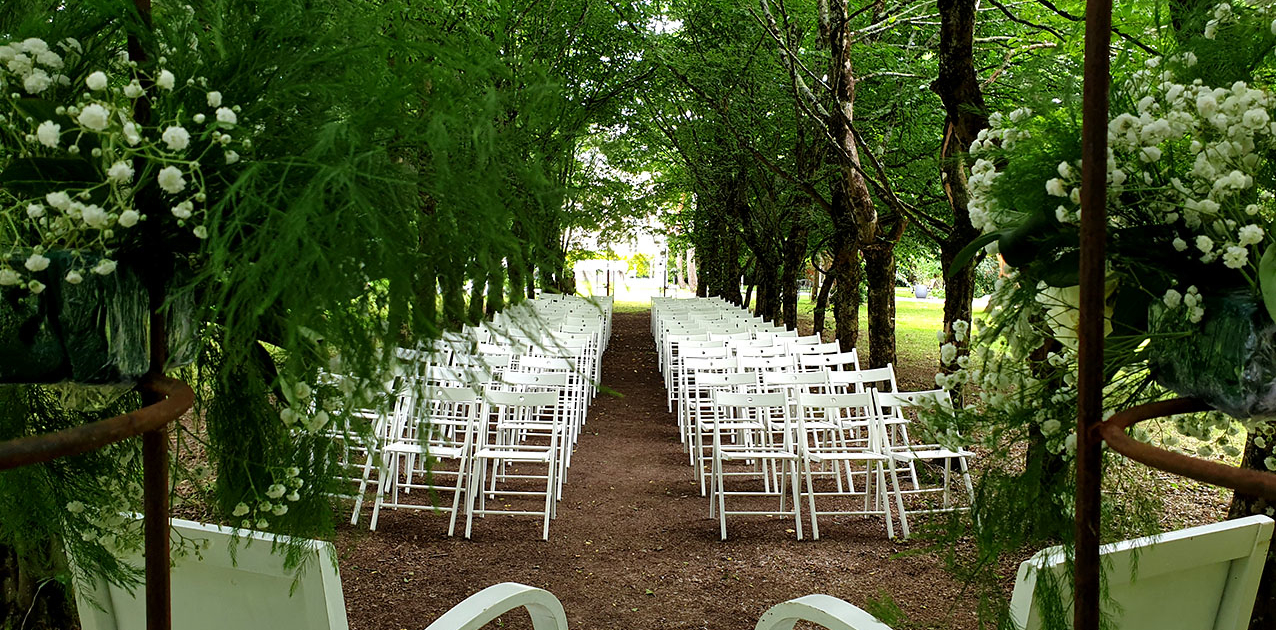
point(633, 547)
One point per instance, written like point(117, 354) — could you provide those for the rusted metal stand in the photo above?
point(1092, 430)
point(171, 399)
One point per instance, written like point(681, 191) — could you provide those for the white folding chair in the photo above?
point(896, 408)
point(509, 415)
point(818, 412)
point(763, 455)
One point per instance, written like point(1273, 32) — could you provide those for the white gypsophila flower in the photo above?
point(1150, 154)
point(35, 286)
point(94, 117)
point(183, 210)
point(302, 391)
point(231, 157)
point(288, 416)
point(104, 267)
point(165, 80)
point(1179, 244)
point(131, 134)
point(176, 137)
point(171, 180)
point(9, 277)
point(1172, 298)
point(129, 218)
point(276, 490)
point(59, 200)
point(75, 507)
point(1062, 215)
point(227, 116)
point(37, 82)
point(200, 232)
point(241, 509)
point(214, 99)
point(96, 81)
point(36, 262)
point(1050, 427)
point(279, 510)
point(1055, 188)
point(199, 119)
point(1204, 243)
point(34, 45)
point(48, 133)
point(293, 496)
point(262, 523)
point(134, 90)
point(35, 210)
point(74, 277)
point(1250, 235)
point(120, 172)
point(50, 59)
point(1235, 257)
point(947, 353)
point(95, 216)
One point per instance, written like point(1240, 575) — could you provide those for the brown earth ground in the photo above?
point(633, 546)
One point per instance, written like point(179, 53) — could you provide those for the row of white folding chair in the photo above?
point(712, 378)
point(522, 421)
point(803, 354)
point(789, 443)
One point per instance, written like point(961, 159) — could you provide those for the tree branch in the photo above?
point(1075, 18)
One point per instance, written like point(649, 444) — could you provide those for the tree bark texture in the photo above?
point(822, 302)
point(965, 116)
point(879, 269)
point(794, 265)
point(846, 274)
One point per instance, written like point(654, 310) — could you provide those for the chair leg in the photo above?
point(810, 498)
point(792, 466)
point(383, 474)
point(462, 480)
point(899, 498)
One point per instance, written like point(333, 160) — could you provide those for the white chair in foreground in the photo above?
point(1200, 578)
point(237, 582)
point(486, 605)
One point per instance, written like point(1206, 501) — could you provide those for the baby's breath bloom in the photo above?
point(96, 81)
point(47, 133)
point(240, 509)
point(35, 286)
point(177, 138)
point(134, 90)
point(94, 117)
point(1172, 298)
point(214, 99)
point(120, 172)
point(36, 262)
point(104, 267)
point(1235, 257)
point(200, 232)
point(74, 277)
point(275, 491)
point(171, 180)
point(227, 116)
point(129, 218)
point(59, 200)
point(9, 277)
point(35, 210)
point(1250, 235)
point(165, 80)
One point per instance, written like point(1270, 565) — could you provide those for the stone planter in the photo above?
point(920, 290)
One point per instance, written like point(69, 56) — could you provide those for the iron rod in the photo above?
point(1090, 330)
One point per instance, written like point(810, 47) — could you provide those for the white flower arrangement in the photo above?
point(48, 117)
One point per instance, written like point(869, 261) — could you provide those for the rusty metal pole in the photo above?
point(1094, 171)
point(159, 614)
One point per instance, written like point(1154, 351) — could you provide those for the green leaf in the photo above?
point(1267, 279)
point(36, 176)
point(967, 253)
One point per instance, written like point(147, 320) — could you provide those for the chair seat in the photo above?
point(756, 453)
point(434, 450)
point(929, 453)
point(514, 454)
point(820, 455)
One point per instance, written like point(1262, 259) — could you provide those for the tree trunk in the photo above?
point(495, 290)
point(846, 273)
point(822, 302)
point(27, 600)
point(452, 284)
point(1264, 615)
point(966, 115)
point(794, 264)
point(478, 280)
point(879, 268)
point(693, 277)
point(768, 307)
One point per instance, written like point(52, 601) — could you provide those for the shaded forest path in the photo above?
point(633, 546)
